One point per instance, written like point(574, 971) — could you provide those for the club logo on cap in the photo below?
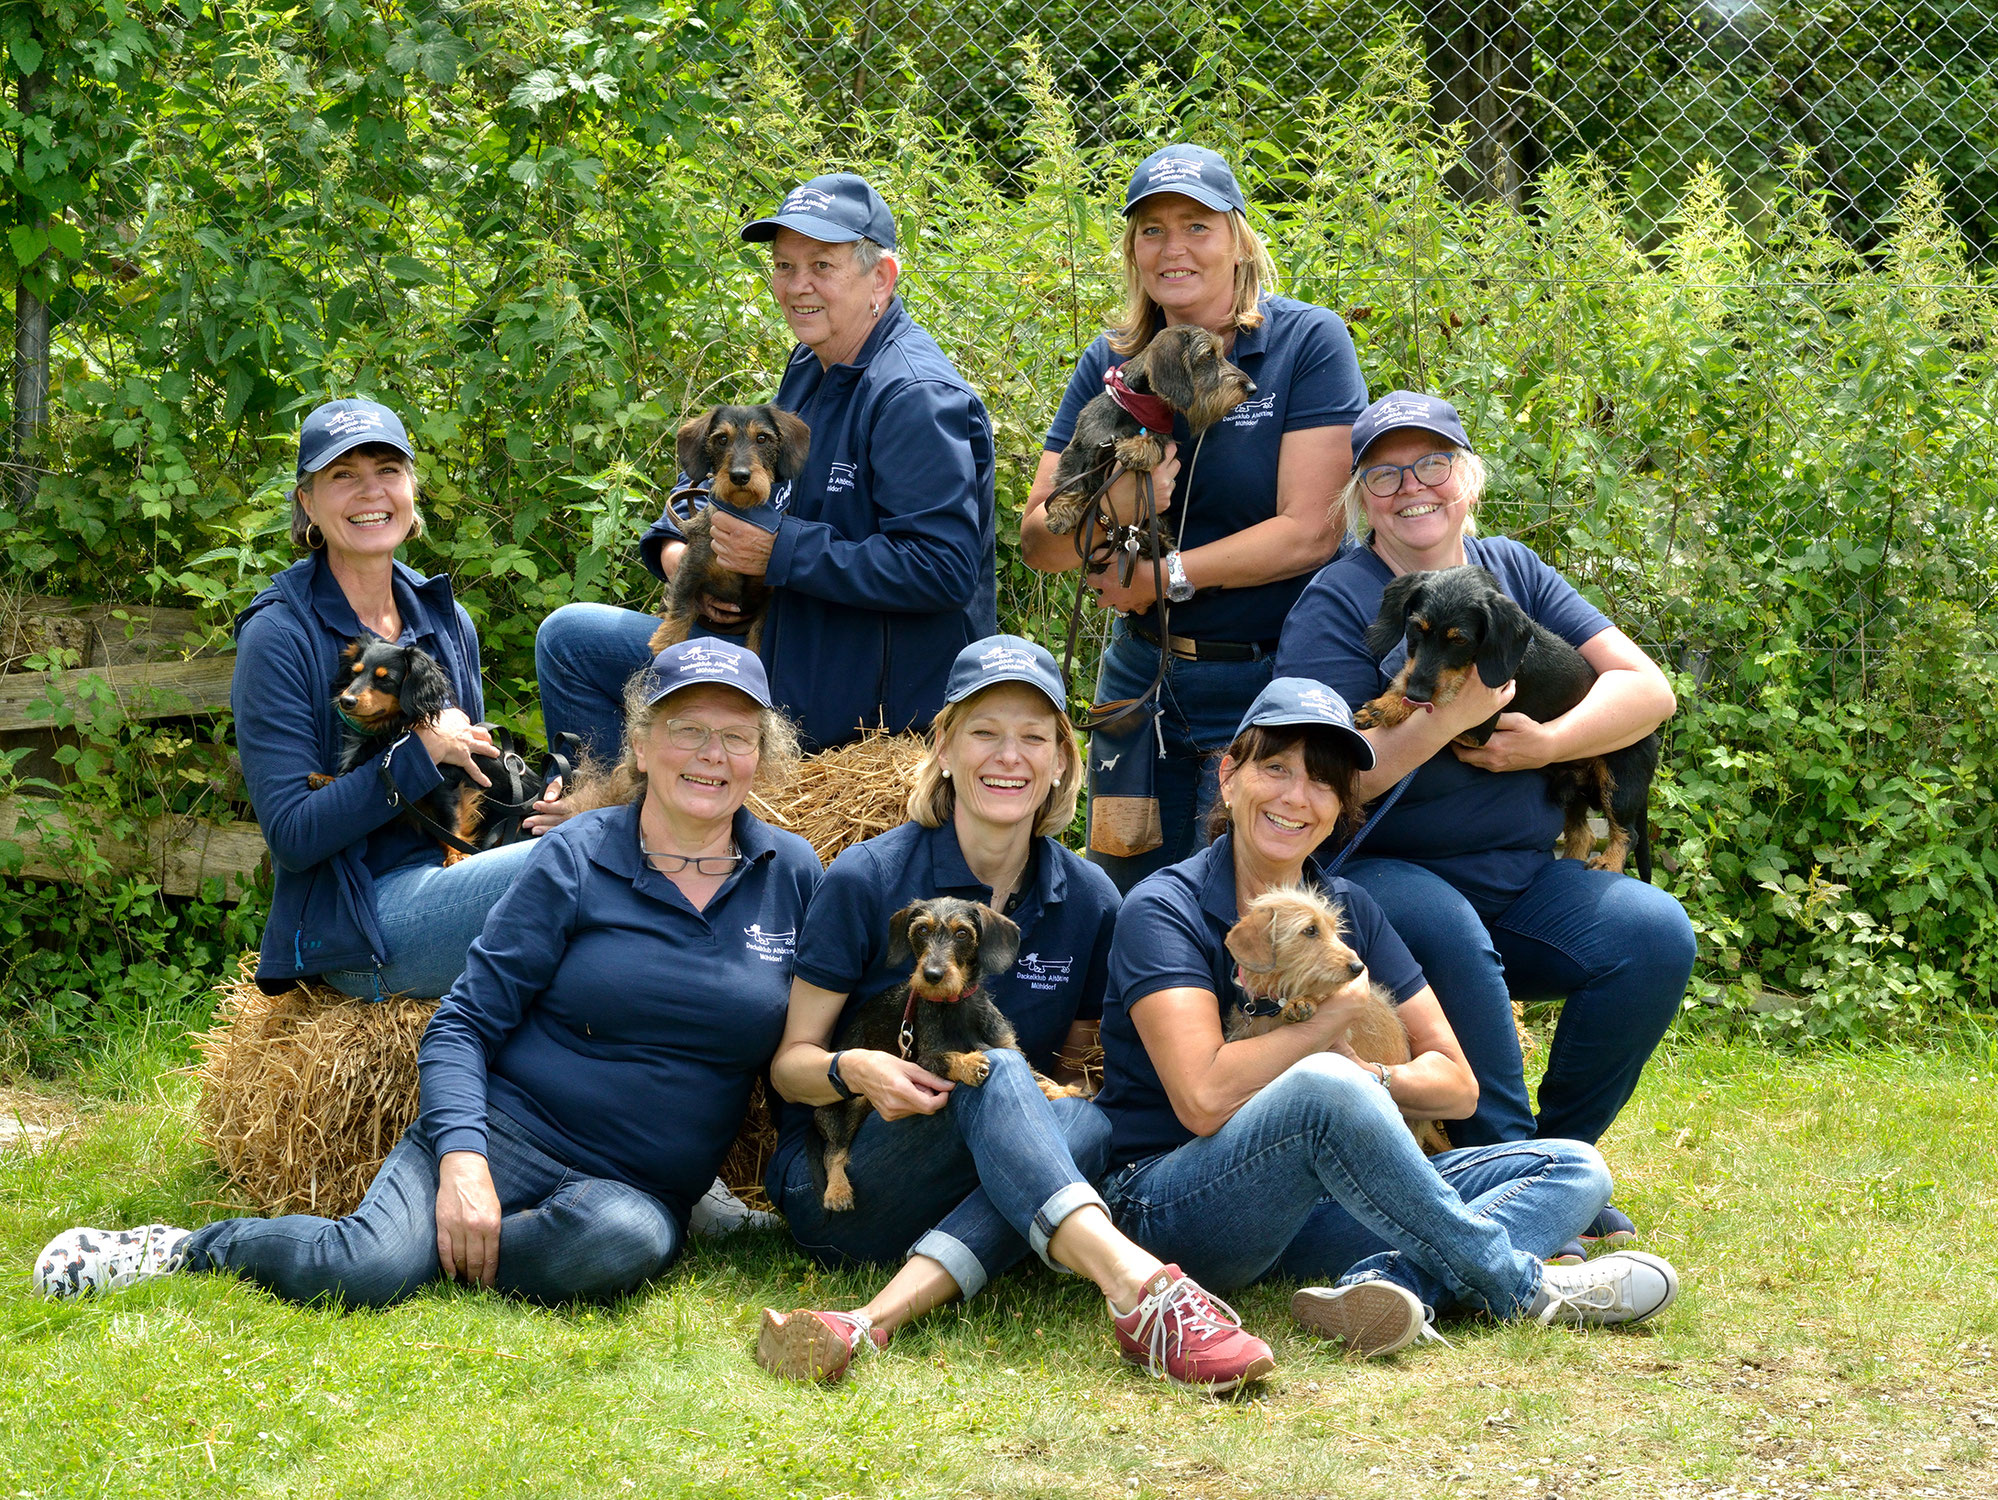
point(1321, 700)
point(1004, 658)
point(808, 198)
point(710, 661)
point(1173, 169)
point(347, 423)
point(1393, 410)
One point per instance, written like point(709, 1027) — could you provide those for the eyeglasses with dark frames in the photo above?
point(1384, 480)
point(703, 864)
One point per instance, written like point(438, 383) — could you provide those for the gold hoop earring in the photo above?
point(314, 537)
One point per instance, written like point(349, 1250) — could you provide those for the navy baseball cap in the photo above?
point(337, 426)
point(837, 208)
point(1300, 700)
point(1193, 171)
point(691, 663)
point(1005, 658)
point(1399, 409)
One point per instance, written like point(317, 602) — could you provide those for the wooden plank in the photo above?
point(177, 852)
point(32, 625)
point(148, 690)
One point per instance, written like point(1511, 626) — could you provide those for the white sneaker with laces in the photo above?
point(79, 1261)
point(718, 1212)
point(1370, 1318)
point(1625, 1286)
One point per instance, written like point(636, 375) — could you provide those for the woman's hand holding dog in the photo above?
point(455, 740)
point(468, 1218)
point(740, 546)
point(895, 1088)
point(1517, 744)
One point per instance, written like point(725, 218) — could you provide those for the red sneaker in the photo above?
point(1181, 1334)
point(807, 1345)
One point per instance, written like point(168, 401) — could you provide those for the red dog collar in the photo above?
point(1149, 412)
point(905, 1040)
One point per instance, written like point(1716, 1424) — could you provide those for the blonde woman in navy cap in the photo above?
point(958, 1183)
point(1463, 862)
point(1253, 505)
point(363, 901)
point(1283, 1154)
point(581, 1082)
point(882, 556)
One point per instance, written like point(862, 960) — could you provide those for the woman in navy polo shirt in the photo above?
point(1463, 863)
point(586, 1075)
point(1257, 514)
point(958, 1182)
point(1273, 1154)
point(363, 901)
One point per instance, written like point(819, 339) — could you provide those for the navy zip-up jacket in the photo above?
point(288, 643)
point(885, 563)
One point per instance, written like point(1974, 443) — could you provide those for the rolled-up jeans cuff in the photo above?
point(1048, 1218)
point(955, 1257)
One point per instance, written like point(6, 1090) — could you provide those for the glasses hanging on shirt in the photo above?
point(702, 864)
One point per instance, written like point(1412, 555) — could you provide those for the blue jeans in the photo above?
point(583, 656)
point(563, 1236)
point(1621, 952)
point(429, 915)
point(1200, 706)
point(1318, 1177)
point(973, 1186)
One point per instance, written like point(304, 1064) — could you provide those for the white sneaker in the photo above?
point(106, 1260)
point(1625, 1286)
point(718, 1212)
point(1369, 1317)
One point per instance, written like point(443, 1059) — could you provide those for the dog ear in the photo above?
point(796, 443)
point(1508, 633)
point(1169, 368)
point(899, 951)
point(693, 443)
point(426, 691)
point(998, 941)
point(351, 652)
point(1252, 941)
point(1391, 624)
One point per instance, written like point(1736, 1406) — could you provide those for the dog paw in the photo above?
point(317, 779)
point(967, 1067)
point(1381, 713)
point(1052, 1090)
point(838, 1200)
point(1300, 1010)
point(1062, 512)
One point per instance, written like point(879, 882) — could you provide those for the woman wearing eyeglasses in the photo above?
point(586, 1074)
point(1463, 863)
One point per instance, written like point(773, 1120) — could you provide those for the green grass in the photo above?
point(1831, 1215)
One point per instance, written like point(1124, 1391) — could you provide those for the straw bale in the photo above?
point(847, 794)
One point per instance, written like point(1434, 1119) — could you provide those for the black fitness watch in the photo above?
point(838, 1083)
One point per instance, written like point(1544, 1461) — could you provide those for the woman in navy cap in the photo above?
point(957, 1183)
point(1252, 504)
point(587, 1073)
point(1463, 863)
point(363, 901)
point(1273, 1155)
point(882, 557)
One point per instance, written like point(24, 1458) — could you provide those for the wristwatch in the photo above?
point(833, 1077)
point(1179, 588)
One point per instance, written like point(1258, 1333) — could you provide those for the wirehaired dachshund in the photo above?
point(1183, 367)
point(1290, 953)
point(940, 1018)
point(746, 452)
point(1458, 620)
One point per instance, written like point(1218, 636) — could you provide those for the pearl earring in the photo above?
point(946, 773)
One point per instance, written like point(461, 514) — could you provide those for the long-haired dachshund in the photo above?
point(1457, 621)
point(1183, 367)
point(940, 1019)
point(747, 451)
point(1290, 954)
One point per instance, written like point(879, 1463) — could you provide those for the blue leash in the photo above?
point(1339, 859)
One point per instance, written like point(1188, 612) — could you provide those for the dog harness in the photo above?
point(1148, 411)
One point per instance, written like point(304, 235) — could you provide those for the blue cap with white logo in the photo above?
point(837, 208)
point(1300, 700)
point(691, 663)
point(1005, 658)
point(1194, 171)
point(1399, 409)
point(338, 426)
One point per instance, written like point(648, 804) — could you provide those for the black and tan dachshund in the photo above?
point(1458, 620)
point(1183, 367)
point(941, 1019)
point(746, 451)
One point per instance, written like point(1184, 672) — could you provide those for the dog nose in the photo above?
point(934, 973)
point(1249, 386)
point(1356, 968)
point(738, 476)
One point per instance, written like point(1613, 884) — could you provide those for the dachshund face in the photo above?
point(385, 689)
point(748, 450)
point(954, 944)
point(1291, 944)
point(1184, 367)
point(1453, 620)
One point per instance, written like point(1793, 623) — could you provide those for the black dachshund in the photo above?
point(1457, 620)
point(746, 451)
point(939, 1019)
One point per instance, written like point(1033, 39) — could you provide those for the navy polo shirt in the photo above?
point(1173, 934)
point(1486, 832)
point(1066, 915)
point(620, 1027)
point(1306, 375)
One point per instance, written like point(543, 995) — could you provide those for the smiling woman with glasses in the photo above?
point(1463, 864)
